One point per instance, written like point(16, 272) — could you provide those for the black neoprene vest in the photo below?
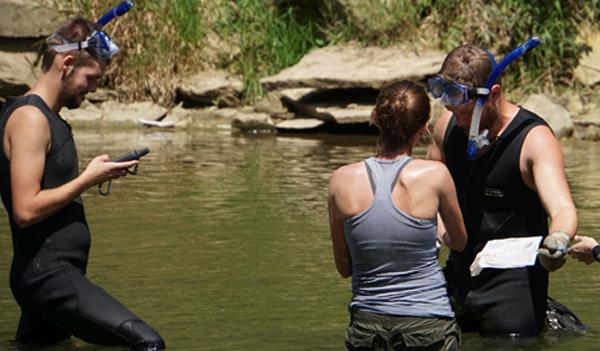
point(494, 200)
point(61, 241)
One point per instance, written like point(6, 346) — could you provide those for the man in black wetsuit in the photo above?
point(41, 186)
point(509, 190)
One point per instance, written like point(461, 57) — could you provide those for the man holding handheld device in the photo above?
point(41, 186)
point(130, 156)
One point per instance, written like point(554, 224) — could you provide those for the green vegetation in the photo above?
point(166, 39)
point(268, 41)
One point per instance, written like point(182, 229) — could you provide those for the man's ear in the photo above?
point(495, 92)
point(67, 64)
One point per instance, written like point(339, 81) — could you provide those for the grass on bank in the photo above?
point(166, 39)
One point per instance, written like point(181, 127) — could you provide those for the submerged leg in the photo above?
point(91, 314)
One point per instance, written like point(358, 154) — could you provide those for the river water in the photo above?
point(221, 241)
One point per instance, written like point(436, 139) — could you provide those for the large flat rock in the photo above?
point(299, 124)
point(347, 115)
point(113, 111)
point(307, 103)
point(355, 67)
point(28, 19)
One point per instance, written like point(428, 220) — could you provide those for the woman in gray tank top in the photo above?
point(383, 219)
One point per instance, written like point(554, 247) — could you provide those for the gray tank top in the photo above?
point(394, 265)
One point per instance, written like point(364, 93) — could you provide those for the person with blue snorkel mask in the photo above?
point(509, 180)
point(41, 186)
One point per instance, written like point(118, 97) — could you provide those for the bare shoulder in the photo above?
point(427, 167)
point(27, 129)
point(540, 143)
point(426, 171)
point(439, 129)
point(27, 119)
point(347, 174)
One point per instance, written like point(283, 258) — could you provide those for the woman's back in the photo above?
point(393, 254)
point(382, 218)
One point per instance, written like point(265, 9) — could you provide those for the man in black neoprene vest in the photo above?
point(41, 186)
point(509, 190)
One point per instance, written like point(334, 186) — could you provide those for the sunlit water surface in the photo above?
point(221, 242)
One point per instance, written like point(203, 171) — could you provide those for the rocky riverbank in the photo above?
point(331, 89)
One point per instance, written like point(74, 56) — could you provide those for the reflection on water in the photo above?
point(221, 241)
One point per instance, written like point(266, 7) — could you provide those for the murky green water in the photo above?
point(221, 242)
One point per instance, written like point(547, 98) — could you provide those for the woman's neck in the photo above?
point(393, 155)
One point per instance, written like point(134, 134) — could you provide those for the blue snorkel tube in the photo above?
point(475, 141)
point(115, 12)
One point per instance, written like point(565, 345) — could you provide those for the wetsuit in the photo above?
point(47, 276)
point(496, 204)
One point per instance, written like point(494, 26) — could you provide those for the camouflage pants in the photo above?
point(370, 331)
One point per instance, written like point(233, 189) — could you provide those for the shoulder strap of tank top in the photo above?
point(27, 100)
point(384, 175)
point(370, 174)
point(402, 164)
point(522, 122)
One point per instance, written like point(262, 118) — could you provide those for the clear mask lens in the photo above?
point(456, 95)
point(449, 93)
point(436, 87)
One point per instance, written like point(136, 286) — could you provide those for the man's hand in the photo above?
point(553, 253)
point(582, 249)
point(101, 169)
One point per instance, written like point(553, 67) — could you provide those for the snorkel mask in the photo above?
point(452, 93)
point(98, 44)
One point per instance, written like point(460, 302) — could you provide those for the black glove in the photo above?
point(553, 253)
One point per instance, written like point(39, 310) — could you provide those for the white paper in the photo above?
point(507, 253)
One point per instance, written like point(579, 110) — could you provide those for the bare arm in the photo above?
point(455, 234)
point(544, 164)
point(435, 153)
point(435, 149)
point(341, 254)
point(28, 138)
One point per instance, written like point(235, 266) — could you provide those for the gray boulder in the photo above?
point(211, 88)
point(253, 121)
point(28, 19)
point(355, 67)
point(17, 73)
point(557, 116)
